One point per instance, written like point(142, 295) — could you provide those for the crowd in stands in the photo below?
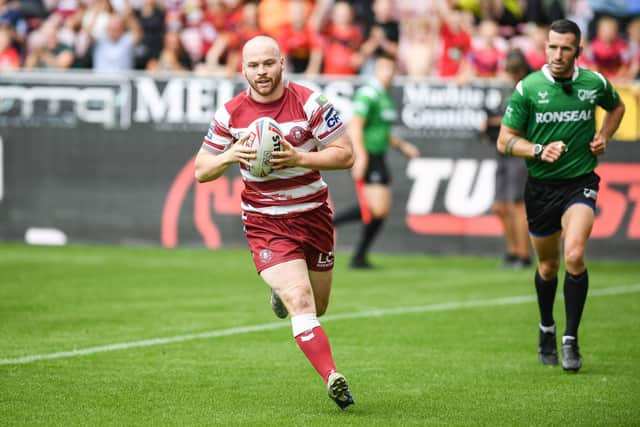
point(446, 38)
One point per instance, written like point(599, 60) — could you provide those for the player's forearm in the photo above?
point(612, 121)
point(332, 157)
point(210, 167)
point(511, 144)
point(398, 143)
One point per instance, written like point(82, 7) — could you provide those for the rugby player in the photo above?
point(286, 217)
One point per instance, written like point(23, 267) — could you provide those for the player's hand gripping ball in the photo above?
point(264, 136)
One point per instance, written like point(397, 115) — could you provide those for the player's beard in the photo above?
point(267, 90)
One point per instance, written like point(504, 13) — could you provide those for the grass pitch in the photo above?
point(422, 340)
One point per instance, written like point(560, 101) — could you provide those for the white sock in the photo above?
point(548, 329)
point(566, 338)
point(303, 322)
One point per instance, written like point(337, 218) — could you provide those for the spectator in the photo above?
point(116, 50)
point(456, 41)
point(198, 41)
point(247, 30)
point(536, 51)
point(225, 57)
point(9, 57)
point(299, 42)
point(580, 12)
point(486, 57)
point(608, 52)
point(173, 57)
point(46, 50)
point(383, 36)
point(274, 15)
point(341, 42)
point(633, 35)
point(150, 17)
point(418, 46)
point(64, 8)
point(617, 9)
point(544, 12)
point(95, 18)
point(11, 17)
point(72, 35)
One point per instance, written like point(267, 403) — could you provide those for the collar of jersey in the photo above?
point(376, 84)
point(547, 73)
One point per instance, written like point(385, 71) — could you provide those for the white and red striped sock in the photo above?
point(314, 343)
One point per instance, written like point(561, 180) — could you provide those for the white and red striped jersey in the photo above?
point(307, 120)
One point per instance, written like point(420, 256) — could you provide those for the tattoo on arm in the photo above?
point(510, 143)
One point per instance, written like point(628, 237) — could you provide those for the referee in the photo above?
point(550, 121)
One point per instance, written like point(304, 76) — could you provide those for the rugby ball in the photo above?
point(264, 136)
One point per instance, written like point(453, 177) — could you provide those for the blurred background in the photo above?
point(103, 104)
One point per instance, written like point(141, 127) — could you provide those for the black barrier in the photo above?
point(109, 159)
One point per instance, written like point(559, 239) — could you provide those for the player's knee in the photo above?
point(574, 259)
point(299, 298)
point(548, 269)
point(380, 212)
point(499, 209)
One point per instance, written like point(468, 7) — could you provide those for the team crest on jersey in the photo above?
point(265, 255)
point(543, 97)
point(508, 111)
point(587, 95)
point(297, 136)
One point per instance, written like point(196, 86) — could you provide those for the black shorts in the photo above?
point(547, 200)
point(377, 171)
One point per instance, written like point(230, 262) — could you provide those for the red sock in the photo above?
point(315, 345)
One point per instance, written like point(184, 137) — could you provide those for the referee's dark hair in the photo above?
point(564, 26)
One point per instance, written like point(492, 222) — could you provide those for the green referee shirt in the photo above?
point(375, 105)
point(544, 113)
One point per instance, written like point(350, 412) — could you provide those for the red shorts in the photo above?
point(308, 236)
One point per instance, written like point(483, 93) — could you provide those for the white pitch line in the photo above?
point(455, 305)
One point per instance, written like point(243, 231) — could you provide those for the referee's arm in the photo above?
point(610, 124)
point(511, 143)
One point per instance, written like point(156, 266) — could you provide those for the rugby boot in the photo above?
point(338, 390)
point(278, 306)
point(547, 349)
point(571, 358)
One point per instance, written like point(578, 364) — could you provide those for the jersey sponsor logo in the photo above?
point(564, 116)
point(321, 101)
point(590, 193)
point(587, 95)
point(543, 97)
point(332, 118)
point(325, 260)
